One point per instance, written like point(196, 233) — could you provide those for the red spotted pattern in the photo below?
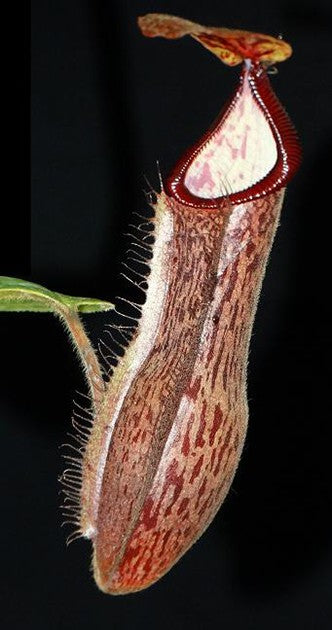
point(194, 419)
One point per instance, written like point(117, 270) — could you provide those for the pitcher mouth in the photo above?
point(250, 150)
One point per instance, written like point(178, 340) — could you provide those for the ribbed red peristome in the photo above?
point(288, 147)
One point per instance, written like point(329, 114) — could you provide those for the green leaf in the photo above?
point(21, 295)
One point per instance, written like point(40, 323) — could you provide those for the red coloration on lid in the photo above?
point(231, 46)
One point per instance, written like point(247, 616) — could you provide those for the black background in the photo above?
point(106, 104)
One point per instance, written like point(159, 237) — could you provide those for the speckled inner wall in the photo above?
point(105, 105)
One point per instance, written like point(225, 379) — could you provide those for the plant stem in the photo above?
point(85, 352)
